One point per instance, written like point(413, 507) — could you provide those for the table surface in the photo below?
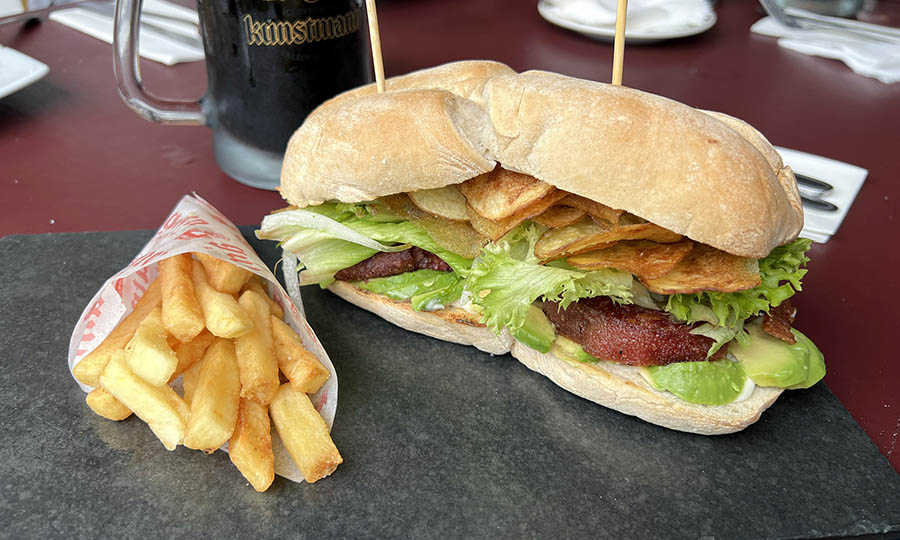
point(483, 447)
point(75, 158)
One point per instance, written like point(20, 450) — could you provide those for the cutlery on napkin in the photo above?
point(877, 57)
point(846, 181)
point(159, 39)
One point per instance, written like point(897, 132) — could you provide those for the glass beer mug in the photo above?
point(269, 63)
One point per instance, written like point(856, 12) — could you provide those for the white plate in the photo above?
point(604, 33)
point(18, 70)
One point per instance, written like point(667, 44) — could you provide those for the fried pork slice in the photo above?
point(392, 264)
point(628, 334)
point(777, 322)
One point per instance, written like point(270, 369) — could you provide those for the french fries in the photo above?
point(214, 400)
point(148, 354)
point(256, 360)
point(191, 352)
point(255, 284)
point(158, 406)
point(250, 447)
point(223, 316)
point(304, 434)
point(103, 403)
point(88, 370)
point(181, 312)
point(189, 381)
point(300, 366)
point(230, 368)
point(223, 275)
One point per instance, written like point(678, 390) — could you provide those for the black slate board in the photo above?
point(439, 441)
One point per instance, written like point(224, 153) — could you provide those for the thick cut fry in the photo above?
point(189, 381)
point(191, 352)
point(304, 434)
point(256, 360)
point(223, 316)
point(496, 229)
point(214, 401)
point(250, 448)
point(91, 366)
point(647, 260)
point(446, 202)
point(103, 403)
point(499, 194)
point(588, 235)
point(223, 276)
point(181, 311)
point(148, 353)
point(159, 406)
point(706, 268)
point(256, 286)
point(300, 366)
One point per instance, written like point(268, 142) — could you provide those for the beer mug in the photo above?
point(269, 63)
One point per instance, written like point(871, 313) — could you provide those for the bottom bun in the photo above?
point(612, 385)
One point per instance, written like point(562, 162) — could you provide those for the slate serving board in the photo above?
point(439, 441)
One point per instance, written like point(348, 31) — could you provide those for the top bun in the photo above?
point(706, 175)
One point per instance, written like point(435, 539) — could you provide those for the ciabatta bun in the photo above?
point(612, 385)
point(705, 175)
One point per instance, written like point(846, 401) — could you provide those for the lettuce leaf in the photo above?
point(340, 235)
point(506, 279)
point(781, 273)
point(425, 289)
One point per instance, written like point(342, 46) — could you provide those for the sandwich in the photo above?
point(636, 251)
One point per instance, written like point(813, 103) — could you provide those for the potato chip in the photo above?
point(456, 236)
point(496, 229)
point(706, 268)
point(589, 234)
point(642, 258)
point(446, 202)
point(500, 193)
point(594, 209)
point(559, 216)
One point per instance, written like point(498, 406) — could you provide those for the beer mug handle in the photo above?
point(128, 74)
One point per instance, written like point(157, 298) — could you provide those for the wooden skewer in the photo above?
point(375, 39)
point(619, 46)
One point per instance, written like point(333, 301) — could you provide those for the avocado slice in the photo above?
point(706, 383)
point(770, 361)
point(564, 347)
point(816, 362)
point(536, 332)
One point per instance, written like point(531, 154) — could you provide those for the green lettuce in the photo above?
point(781, 273)
point(338, 242)
point(506, 279)
point(424, 289)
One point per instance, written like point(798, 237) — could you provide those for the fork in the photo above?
point(816, 203)
point(792, 20)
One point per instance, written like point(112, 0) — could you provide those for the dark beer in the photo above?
point(270, 63)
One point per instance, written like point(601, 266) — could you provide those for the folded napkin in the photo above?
point(819, 225)
point(643, 15)
point(153, 46)
point(867, 57)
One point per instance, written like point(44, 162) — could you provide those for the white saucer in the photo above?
point(18, 71)
point(604, 33)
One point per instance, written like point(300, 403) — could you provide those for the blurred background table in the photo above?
point(73, 157)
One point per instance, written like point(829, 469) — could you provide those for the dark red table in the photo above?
point(73, 157)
